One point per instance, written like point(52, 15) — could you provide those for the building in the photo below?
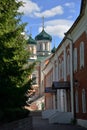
point(40, 51)
point(65, 77)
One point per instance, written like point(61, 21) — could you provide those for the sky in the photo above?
point(59, 15)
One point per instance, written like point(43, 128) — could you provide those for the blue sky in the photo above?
point(59, 16)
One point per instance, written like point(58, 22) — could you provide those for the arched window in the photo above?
point(40, 47)
point(68, 64)
point(76, 101)
point(75, 59)
point(62, 68)
point(46, 46)
point(43, 46)
point(55, 70)
point(59, 70)
point(83, 101)
point(81, 54)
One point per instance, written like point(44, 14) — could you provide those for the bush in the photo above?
point(1, 115)
point(73, 121)
point(14, 114)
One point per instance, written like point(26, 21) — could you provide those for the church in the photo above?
point(40, 51)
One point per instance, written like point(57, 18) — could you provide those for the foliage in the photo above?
point(14, 114)
point(14, 67)
point(73, 121)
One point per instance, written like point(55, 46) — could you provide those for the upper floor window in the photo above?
point(83, 101)
point(46, 46)
point(55, 70)
point(68, 64)
point(40, 47)
point(75, 59)
point(59, 70)
point(43, 46)
point(62, 68)
point(81, 54)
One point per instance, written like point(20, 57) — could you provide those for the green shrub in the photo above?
point(73, 121)
point(14, 114)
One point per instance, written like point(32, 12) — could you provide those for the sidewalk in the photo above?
point(42, 124)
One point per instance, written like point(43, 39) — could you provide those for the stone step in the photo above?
point(36, 113)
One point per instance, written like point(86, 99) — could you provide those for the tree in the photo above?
point(14, 81)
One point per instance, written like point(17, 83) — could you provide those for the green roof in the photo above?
point(43, 36)
point(31, 41)
point(53, 50)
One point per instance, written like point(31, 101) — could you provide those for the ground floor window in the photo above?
point(76, 100)
point(83, 101)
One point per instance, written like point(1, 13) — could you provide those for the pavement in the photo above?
point(43, 124)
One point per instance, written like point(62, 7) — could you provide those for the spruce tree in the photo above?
point(14, 67)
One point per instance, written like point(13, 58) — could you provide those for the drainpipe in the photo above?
point(71, 74)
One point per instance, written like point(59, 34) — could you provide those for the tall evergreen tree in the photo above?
point(14, 81)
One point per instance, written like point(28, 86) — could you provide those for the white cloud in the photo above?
point(32, 9)
point(57, 27)
point(58, 10)
point(29, 7)
point(70, 5)
point(70, 17)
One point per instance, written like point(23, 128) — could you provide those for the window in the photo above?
point(51, 77)
point(59, 70)
point(76, 99)
point(83, 101)
point(62, 69)
point(68, 64)
point(43, 46)
point(34, 78)
point(34, 50)
point(40, 47)
point(81, 54)
point(75, 59)
point(55, 71)
point(46, 46)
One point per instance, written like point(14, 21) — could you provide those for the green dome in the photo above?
point(43, 36)
point(53, 50)
point(31, 41)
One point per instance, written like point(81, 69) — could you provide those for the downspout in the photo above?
point(72, 80)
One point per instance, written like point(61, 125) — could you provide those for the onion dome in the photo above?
point(53, 50)
point(43, 36)
point(31, 41)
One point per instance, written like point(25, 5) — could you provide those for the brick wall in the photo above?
point(23, 124)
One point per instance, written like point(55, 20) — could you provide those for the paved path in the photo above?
point(42, 124)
